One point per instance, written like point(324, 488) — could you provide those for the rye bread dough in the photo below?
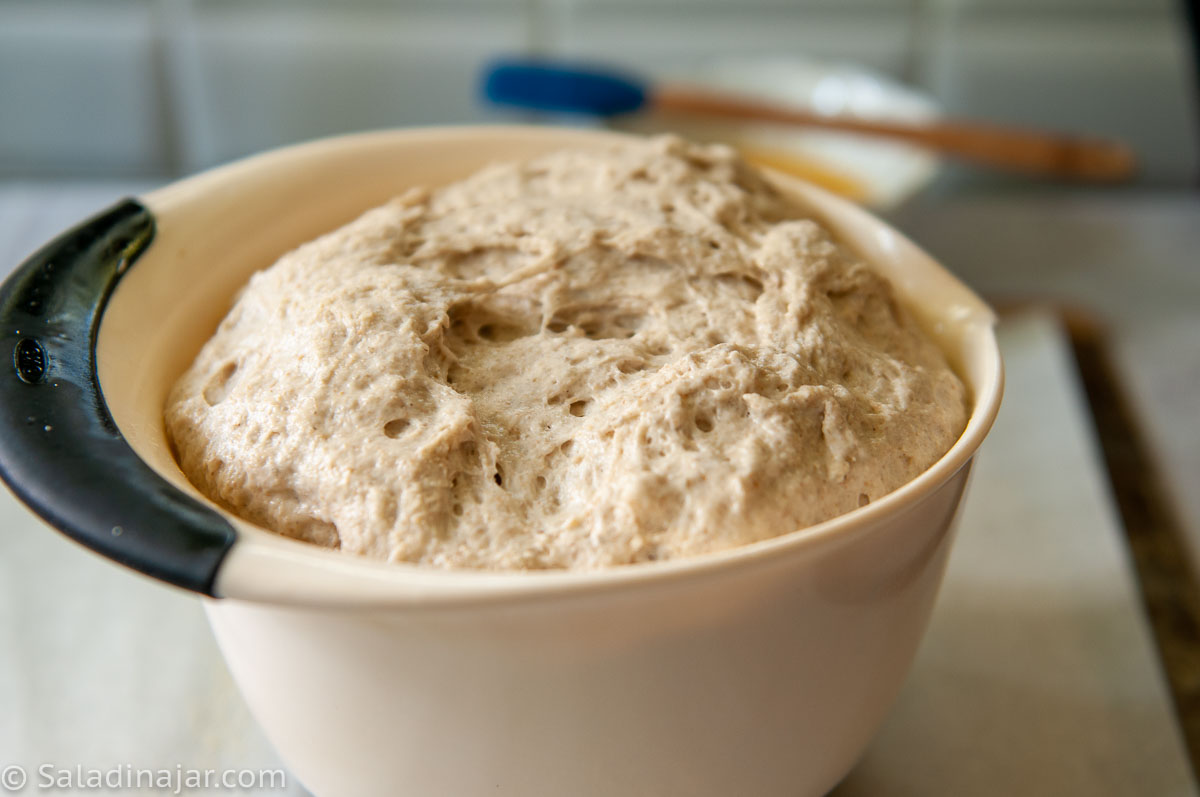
point(589, 359)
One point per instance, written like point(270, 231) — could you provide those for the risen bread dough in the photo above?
point(590, 359)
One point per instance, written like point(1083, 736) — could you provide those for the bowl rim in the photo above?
point(265, 567)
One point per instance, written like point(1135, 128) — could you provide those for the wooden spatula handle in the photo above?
point(1029, 151)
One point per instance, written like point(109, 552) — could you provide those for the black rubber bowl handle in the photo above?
point(60, 451)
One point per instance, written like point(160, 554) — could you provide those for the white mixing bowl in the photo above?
point(763, 670)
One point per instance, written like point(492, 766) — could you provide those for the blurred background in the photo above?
point(159, 88)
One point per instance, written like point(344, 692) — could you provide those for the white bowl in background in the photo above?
point(867, 169)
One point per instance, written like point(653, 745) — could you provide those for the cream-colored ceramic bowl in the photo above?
point(760, 671)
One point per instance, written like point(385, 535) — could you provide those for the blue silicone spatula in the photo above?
point(544, 85)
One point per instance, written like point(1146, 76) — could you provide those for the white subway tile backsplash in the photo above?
point(1124, 77)
point(1042, 7)
point(263, 76)
point(80, 91)
point(161, 86)
point(668, 36)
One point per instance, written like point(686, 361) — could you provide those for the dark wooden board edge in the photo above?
point(1153, 528)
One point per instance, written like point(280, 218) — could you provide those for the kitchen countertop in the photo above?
point(1039, 675)
point(1132, 260)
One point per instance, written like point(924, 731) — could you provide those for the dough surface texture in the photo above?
point(590, 359)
